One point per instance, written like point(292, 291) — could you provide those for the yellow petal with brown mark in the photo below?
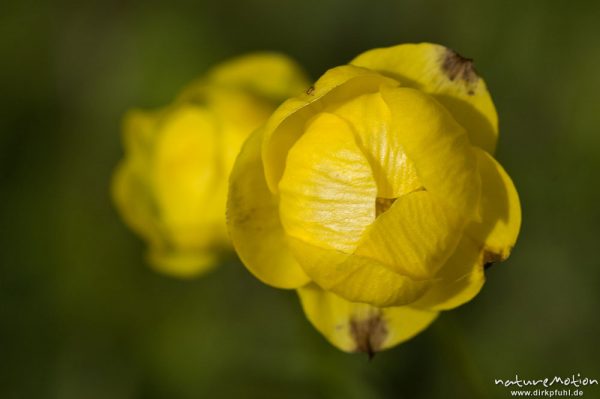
point(500, 211)
point(358, 327)
point(448, 77)
point(488, 241)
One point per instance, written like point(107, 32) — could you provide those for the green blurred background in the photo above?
point(82, 316)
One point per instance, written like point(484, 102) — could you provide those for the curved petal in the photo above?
point(327, 192)
point(182, 264)
point(458, 281)
point(136, 205)
point(253, 221)
point(369, 117)
point(132, 196)
point(157, 183)
point(358, 327)
point(286, 124)
point(438, 146)
point(356, 278)
point(491, 240)
point(188, 181)
point(238, 113)
point(448, 77)
point(500, 210)
point(414, 237)
point(131, 185)
point(272, 76)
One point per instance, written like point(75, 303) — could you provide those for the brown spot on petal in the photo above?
point(490, 257)
point(382, 205)
point(368, 334)
point(459, 68)
point(310, 90)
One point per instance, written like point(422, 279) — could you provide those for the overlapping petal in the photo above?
point(414, 237)
point(370, 119)
point(445, 75)
point(458, 281)
point(490, 240)
point(439, 147)
point(327, 192)
point(286, 124)
point(356, 278)
point(500, 210)
point(254, 224)
point(396, 261)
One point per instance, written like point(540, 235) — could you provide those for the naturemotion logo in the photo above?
point(540, 385)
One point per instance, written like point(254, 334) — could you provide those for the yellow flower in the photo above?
point(376, 196)
point(171, 187)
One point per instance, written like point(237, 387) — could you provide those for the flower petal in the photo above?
point(271, 76)
point(500, 210)
point(356, 278)
point(458, 281)
point(448, 77)
point(182, 264)
point(358, 327)
point(132, 196)
point(132, 185)
point(187, 180)
point(327, 192)
point(253, 220)
point(491, 240)
point(414, 237)
point(438, 146)
point(286, 124)
point(369, 117)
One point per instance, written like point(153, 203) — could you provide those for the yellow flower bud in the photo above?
point(171, 187)
point(375, 194)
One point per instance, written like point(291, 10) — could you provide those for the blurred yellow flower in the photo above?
point(376, 196)
point(171, 186)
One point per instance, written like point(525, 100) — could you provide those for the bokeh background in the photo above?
point(82, 316)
